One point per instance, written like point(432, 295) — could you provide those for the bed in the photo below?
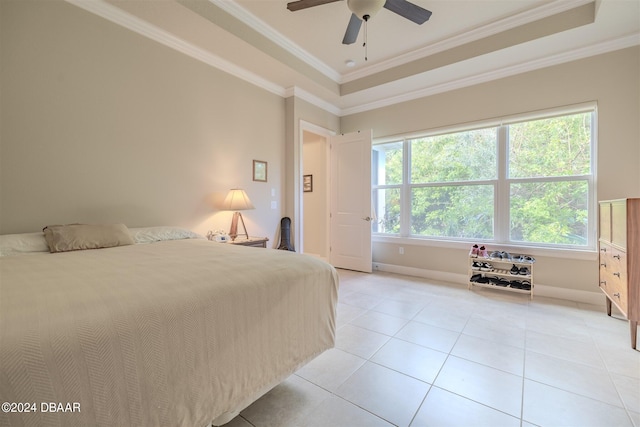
point(167, 331)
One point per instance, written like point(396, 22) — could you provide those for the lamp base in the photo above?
point(233, 231)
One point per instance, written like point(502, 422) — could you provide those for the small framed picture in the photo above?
point(259, 171)
point(307, 183)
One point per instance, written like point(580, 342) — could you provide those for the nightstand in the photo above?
point(257, 242)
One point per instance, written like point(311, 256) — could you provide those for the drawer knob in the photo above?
point(617, 294)
point(604, 264)
point(617, 274)
point(603, 250)
point(617, 256)
point(603, 282)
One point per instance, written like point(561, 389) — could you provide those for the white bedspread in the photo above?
point(174, 333)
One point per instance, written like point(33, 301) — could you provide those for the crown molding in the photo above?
point(239, 12)
point(133, 23)
point(505, 24)
point(540, 12)
point(536, 64)
point(312, 99)
point(126, 20)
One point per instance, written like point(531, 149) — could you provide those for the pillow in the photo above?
point(156, 234)
point(74, 237)
point(26, 243)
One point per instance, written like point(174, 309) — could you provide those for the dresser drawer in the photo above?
point(615, 288)
point(615, 261)
point(613, 275)
point(619, 263)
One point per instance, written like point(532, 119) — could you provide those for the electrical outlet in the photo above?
point(274, 204)
point(401, 250)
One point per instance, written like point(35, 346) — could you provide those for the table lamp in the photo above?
point(237, 200)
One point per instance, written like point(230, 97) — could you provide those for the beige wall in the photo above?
point(315, 203)
point(297, 112)
point(99, 124)
point(610, 79)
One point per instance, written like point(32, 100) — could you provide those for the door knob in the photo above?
point(367, 218)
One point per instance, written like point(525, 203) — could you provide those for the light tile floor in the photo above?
point(412, 351)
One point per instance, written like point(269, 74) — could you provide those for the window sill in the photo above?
point(579, 254)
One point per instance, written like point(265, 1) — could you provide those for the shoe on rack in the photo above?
point(515, 284)
point(524, 271)
point(474, 251)
point(496, 254)
point(498, 281)
point(476, 265)
point(485, 266)
point(475, 277)
point(482, 252)
point(514, 270)
point(505, 255)
point(525, 285)
point(530, 259)
point(503, 283)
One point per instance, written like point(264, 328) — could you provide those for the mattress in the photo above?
point(174, 333)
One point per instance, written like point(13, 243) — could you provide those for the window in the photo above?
point(524, 182)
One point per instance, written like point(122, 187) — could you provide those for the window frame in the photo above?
point(502, 184)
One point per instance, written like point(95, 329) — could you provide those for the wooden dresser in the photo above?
point(619, 243)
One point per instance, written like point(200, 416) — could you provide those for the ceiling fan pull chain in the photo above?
point(366, 20)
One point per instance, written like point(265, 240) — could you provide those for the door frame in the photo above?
point(298, 205)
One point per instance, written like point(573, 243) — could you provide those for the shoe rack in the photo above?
point(501, 270)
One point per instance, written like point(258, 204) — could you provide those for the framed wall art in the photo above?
point(259, 171)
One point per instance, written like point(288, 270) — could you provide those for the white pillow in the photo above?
point(156, 234)
point(17, 244)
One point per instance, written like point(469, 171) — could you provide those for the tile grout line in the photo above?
point(524, 365)
point(342, 398)
point(435, 378)
point(610, 374)
point(527, 338)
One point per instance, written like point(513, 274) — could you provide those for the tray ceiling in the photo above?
point(465, 42)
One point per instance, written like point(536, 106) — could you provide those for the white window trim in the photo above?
point(501, 202)
point(535, 251)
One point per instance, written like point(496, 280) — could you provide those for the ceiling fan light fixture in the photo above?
point(367, 8)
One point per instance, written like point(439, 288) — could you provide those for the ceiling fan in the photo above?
point(363, 10)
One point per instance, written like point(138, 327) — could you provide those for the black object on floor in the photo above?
point(285, 235)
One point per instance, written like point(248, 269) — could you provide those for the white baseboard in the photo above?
point(576, 295)
point(596, 298)
point(421, 272)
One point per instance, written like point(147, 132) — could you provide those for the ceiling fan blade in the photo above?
point(351, 35)
point(408, 10)
point(304, 4)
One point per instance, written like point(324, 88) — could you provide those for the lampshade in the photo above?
point(365, 7)
point(237, 200)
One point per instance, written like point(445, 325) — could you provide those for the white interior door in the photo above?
point(350, 197)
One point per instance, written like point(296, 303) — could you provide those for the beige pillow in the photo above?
point(74, 237)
